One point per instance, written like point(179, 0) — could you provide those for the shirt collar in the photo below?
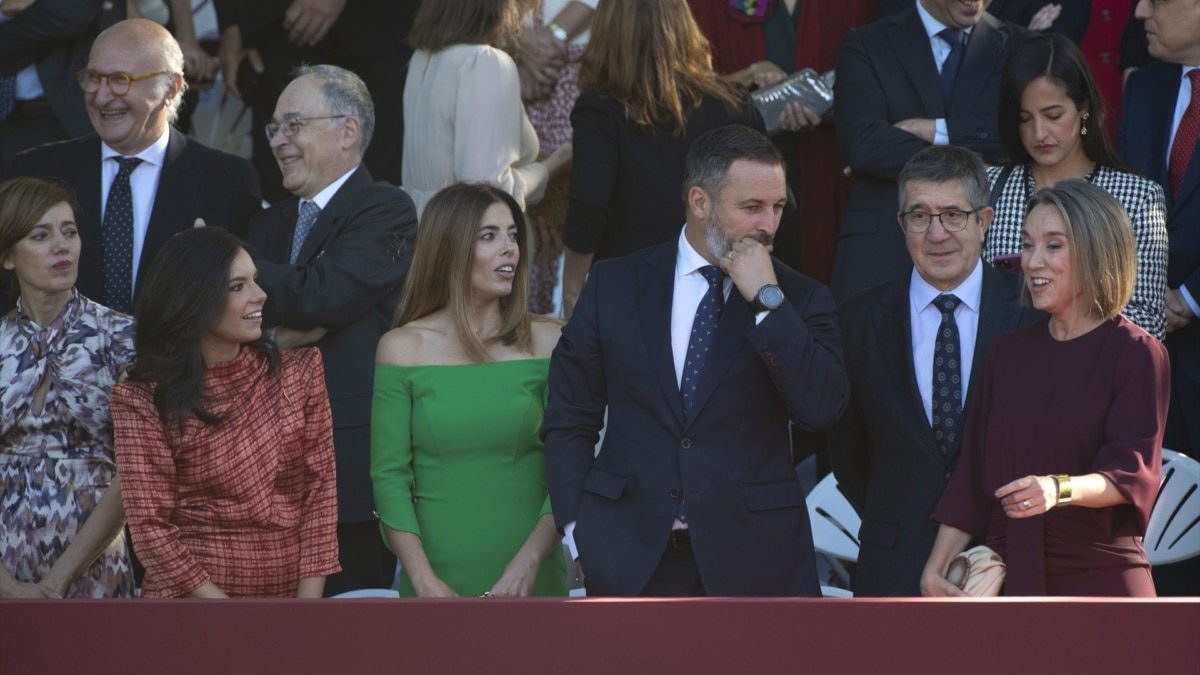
point(321, 199)
point(921, 293)
point(688, 260)
point(156, 154)
point(932, 25)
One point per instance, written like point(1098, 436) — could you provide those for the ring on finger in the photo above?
point(1025, 503)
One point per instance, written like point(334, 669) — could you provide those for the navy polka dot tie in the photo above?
point(304, 224)
point(947, 378)
point(117, 239)
point(8, 96)
point(708, 312)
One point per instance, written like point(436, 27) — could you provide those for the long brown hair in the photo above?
point(651, 56)
point(440, 275)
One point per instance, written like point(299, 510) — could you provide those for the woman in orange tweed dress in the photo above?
point(225, 444)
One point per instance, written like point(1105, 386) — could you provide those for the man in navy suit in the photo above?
point(701, 350)
point(1152, 137)
point(132, 88)
point(890, 102)
point(884, 452)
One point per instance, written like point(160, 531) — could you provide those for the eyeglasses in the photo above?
point(952, 219)
point(118, 82)
point(292, 125)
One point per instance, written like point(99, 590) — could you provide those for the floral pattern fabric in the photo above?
point(56, 459)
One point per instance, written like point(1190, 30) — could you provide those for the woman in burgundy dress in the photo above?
point(1062, 454)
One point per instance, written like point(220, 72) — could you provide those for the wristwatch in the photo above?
point(558, 32)
point(768, 299)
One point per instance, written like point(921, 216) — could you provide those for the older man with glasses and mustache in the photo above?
point(138, 179)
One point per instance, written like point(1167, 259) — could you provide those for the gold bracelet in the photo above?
point(1064, 489)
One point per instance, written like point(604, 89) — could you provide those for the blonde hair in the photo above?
point(651, 57)
point(1103, 253)
point(440, 275)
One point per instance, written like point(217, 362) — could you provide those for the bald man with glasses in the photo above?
point(138, 179)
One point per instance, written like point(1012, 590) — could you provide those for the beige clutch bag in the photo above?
point(978, 571)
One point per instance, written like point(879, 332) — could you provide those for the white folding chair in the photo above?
point(835, 526)
point(368, 593)
point(1173, 533)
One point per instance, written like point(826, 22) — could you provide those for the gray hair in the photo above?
point(346, 94)
point(172, 62)
point(947, 164)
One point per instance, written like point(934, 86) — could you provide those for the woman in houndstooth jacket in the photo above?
point(1052, 127)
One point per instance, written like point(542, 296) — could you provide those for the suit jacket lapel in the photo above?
point(331, 215)
point(176, 195)
point(911, 43)
point(983, 55)
point(1162, 114)
point(88, 176)
point(893, 331)
point(656, 288)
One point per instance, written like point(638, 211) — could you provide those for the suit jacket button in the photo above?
point(685, 443)
point(947, 476)
point(983, 136)
point(674, 494)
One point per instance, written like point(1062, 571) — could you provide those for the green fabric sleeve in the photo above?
point(391, 450)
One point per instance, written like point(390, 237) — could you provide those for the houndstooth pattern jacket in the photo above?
point(1145, 203)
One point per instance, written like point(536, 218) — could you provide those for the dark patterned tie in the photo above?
point(954, 38)
point(117, 239)
point(708, 312)
point(304, 224)
point(704, 329)
point(947, 379)
point(8, 96)
point(1185, 138)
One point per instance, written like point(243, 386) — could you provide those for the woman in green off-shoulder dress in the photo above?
point(460, 387)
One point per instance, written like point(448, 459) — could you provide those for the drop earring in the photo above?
point(1083, 127)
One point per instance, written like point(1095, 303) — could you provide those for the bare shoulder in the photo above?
point(411, 344)
point(545, 336)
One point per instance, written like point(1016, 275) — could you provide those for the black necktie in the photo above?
point(947, 378)
point(117, 239)
point(954, 38)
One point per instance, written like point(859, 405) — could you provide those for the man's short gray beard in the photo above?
point(719, 243)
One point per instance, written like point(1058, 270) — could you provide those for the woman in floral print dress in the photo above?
point(61, 520)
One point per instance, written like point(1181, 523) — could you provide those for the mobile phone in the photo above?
point(1009, 263)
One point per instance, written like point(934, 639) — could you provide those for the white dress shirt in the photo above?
point(941, 51)
point(925, 319)
point(143, 184)
point(690, 287)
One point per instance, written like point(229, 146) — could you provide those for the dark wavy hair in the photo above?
point(1056, 58)
point(182, 300)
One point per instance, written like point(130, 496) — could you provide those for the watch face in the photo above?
point(770, 296)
